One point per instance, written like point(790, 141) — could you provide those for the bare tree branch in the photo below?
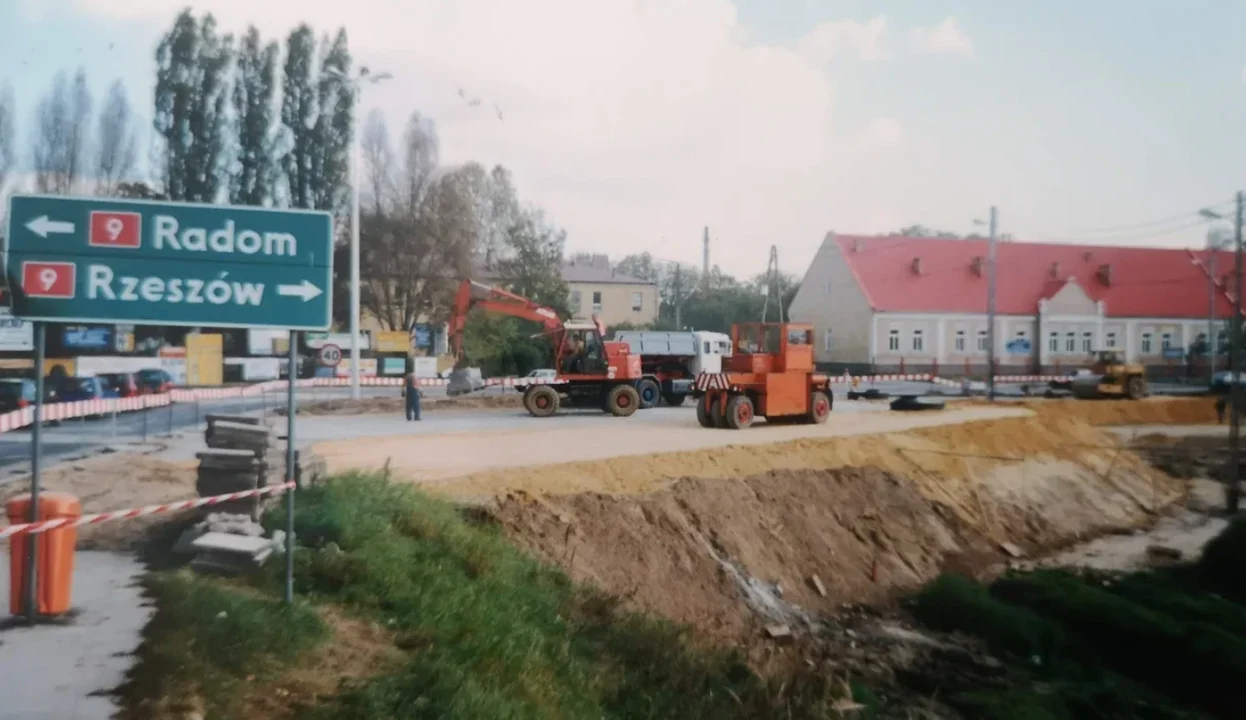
point(378, 161)
point(117, 144)
point(61, 134)
point(8, 129)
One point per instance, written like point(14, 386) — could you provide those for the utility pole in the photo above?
point(1211, 320)
point(990, 310)
point(1233, 494)
point(679, 301)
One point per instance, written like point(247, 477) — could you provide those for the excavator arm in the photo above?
point(472, 294)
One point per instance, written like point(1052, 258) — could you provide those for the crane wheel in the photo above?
point(650, 393)
point(674, 399)
point(622, 400)
point(704, 417)
point(819, 407)
point(541, 401)
point(739, 413)
point(718, 411)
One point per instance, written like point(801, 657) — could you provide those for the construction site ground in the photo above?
point(735, 532)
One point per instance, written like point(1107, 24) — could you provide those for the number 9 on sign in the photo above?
point(48, 279)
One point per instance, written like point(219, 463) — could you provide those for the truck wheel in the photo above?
point(622, 400)
point(541, 401)
point(718, 411)
point(703, 412)
point(1135, 388)
point(819, 407)
point(649, 393)
point(674, 399)
point(739, 413)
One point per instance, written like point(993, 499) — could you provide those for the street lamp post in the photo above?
point(356, 84)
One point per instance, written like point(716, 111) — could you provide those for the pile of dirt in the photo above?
point(1149, 411)
point(116, 482)
point(879, 514)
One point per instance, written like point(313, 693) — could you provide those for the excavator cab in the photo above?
point(583, 350)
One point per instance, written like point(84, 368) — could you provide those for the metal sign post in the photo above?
point(36, 452)
point(291, 411)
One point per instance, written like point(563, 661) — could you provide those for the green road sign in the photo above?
point(128, 261)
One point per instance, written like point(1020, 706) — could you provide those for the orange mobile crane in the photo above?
point(591, 371)
point(770, 374)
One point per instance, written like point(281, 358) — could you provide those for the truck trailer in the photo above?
point(670, 361)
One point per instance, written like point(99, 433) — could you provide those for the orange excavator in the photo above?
point(591, 372)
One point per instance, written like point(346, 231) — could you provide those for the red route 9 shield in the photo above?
point(48, 279)
point(115, 229)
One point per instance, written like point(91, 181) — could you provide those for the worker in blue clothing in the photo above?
point(411, 390)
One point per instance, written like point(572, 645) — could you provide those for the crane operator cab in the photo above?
point(583, 352)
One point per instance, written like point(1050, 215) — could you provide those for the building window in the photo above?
point(1053, 342)
point(1146, 343)
point(918, 341)
point(826, 340)
point(596, 301)
point(893, 340)
point(575, 301)
point(1165, 341)
point(1070, 342)
point(1088, 341)
point(1109, 340)
point(638, 301)
point(960, 341)
point(982, 341)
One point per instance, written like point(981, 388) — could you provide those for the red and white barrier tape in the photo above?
point(97, 518)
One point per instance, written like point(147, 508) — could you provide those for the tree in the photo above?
point(334, 131)
point(255, 91)
point(300, 111)
point(534, 269)
point(8, 130)
point(416, 241)
point(117, 143)
point(377, 176)
point(191, 109)
point(61, 134)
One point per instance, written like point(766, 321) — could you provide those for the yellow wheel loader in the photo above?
point(1110, 377)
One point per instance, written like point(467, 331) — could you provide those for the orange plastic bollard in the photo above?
point(55, 572)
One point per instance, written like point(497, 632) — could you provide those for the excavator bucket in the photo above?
point(464, 380)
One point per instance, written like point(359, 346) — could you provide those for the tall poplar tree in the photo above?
point(255, 106)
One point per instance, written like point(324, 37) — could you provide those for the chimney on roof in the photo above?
point(1055, 270)
point(1086, 256)
point(975, 265)
point(916, 266)
point(856, 244)
point(1104, 273)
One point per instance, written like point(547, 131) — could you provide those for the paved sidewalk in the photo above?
point(50, 672)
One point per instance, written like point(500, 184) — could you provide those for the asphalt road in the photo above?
point(77, 437)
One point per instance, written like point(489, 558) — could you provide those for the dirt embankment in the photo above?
point(869, 516)
point(1149, 411)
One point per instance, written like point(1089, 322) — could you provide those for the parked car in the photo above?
point(539, 374)
point(153, 381)
point(16, 393)
point(76, 389)
point(121, 385)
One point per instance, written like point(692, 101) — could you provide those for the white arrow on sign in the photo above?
point(305, 290)
point(41, 226)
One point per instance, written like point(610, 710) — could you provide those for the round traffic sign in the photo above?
point(329, 355)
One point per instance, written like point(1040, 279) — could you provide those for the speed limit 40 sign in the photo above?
point(329, 355)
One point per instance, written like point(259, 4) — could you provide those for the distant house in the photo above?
point(887, 300)
point(597, 289)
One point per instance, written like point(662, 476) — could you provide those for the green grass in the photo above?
point(1147, 645)
point(491, 633)
point(206, 638)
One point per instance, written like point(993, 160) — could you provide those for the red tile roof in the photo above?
point(1131, 281)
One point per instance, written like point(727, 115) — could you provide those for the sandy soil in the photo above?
point(871, 516)
point(1149, 411)
point(117, 482)
point(435, 459)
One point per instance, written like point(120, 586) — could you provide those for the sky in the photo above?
point(636, 123)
